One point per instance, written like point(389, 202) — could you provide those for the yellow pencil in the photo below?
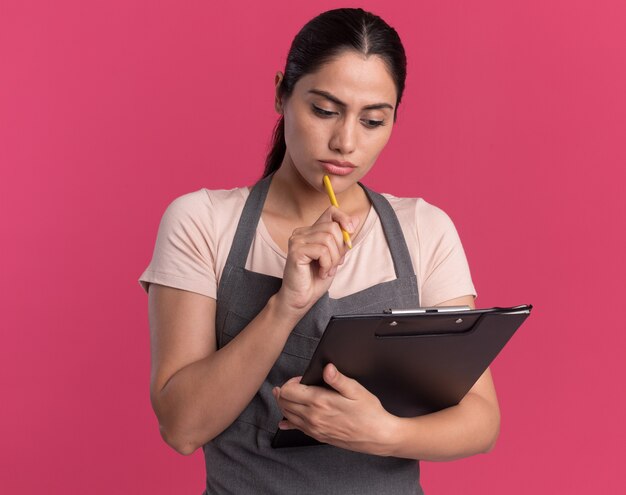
point(333, 201)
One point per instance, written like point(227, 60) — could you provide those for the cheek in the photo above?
point(303, 134)
point(375, 147)
point(377, 143)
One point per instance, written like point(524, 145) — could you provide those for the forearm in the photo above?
point(205, 397)
point(469, 428)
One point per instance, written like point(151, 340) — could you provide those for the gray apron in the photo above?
point(240, 460)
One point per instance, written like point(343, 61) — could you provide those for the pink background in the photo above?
point(513, 122)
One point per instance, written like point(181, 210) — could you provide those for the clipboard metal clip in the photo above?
point(434, 309)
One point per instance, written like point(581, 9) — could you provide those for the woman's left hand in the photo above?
point(349, 416)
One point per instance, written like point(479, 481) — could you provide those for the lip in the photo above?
point(336, 167)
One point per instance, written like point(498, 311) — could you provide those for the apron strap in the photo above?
point(246, 229)
point(393, 232)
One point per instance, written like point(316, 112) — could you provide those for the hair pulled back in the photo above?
point(325, 37)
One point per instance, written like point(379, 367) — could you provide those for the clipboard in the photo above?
point(415, 361)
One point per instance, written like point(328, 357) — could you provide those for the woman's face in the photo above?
point(338, 120)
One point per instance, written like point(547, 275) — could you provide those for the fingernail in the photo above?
point(332, 371)
point(350, 227)
point(282, 425)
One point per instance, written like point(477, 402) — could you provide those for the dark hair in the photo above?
point(325, 37)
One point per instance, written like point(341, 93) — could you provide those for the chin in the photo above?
point(309, 178)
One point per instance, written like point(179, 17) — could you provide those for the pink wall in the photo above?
point(513, 122)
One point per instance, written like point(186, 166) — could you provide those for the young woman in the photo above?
point(243, 282)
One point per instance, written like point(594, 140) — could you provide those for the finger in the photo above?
point(300, 421)
point(347, 387)
point(276, 391)
point(304, 254)
point(346, 226)
point(290, 409)
point(294, 379)
point(302, 397)
point(330, 237)
point(326, 265)
point(296, 393)
point(293, 423)
point(327, 233)
point(345, 221)
point(286, 425)
point(293, 411)
point(318, 247)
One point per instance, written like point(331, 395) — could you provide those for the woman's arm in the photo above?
point(196, 390)
point(353, 418)
point(469, 428)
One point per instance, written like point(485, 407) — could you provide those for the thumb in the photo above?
point(347, 387)
point(355, 222)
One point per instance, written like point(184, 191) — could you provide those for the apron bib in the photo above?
point(241, 460)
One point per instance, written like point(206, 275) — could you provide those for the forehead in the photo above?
point(354, 79)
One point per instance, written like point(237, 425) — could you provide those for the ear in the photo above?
point(278, 102)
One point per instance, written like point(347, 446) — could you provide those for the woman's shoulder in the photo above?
point(437, 252)
point(204, 213)
point(420, 213)
point(211, 197)
point(202, 201)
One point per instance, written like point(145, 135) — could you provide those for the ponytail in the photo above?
point(277, 152)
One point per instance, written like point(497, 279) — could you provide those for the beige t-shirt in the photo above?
point(196, 232)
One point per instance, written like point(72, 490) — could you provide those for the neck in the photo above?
point(293, 197)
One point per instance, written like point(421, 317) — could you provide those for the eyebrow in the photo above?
point(334, 99)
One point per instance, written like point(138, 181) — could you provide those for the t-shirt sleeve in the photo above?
point(444, 270)
point(183, 253)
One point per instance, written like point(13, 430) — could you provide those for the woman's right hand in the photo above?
point(314, 253)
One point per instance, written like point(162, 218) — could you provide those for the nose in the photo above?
point(343, 139)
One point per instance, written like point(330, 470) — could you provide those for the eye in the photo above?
point(371, 124)
point(323, 113)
